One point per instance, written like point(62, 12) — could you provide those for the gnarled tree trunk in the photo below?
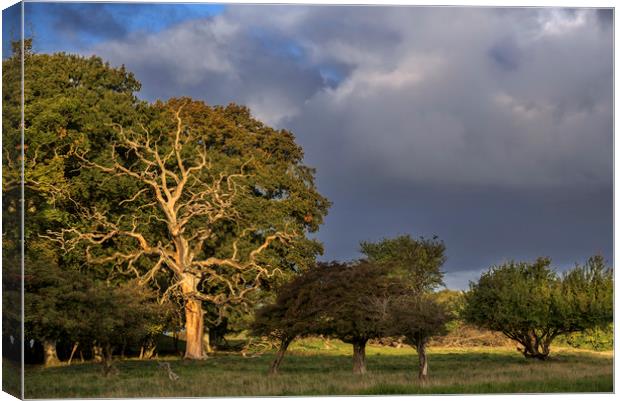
point(194, 319)
point(50, 355)
point(275, 365)
point(123, 348)
point(535, 344)
point(194, 328)
point(359, 356)
point(531, 352)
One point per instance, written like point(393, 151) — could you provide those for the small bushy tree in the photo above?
point(111, 315)
point(354, 300)
point(348, 301)
point(292, 314)
point(418, 319)
point(532, 305)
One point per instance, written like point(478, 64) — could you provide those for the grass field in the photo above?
point(312, 368)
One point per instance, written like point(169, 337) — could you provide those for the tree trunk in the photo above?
point(194, 319)
point(148, 349)
point(175, 342)
point(194, 328)
point(107, 360)
point(97, 353)
point(50, 355)
point(75, 347)
point(359, 356)
point(534, 348)
point(275, 365)
point(422, 361)
point(206, 341)
point(540, 355)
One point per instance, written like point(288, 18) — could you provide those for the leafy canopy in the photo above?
point(531, 304)
point(65, 96)
point(417, 261)
point(200, 191)
point(346, 301)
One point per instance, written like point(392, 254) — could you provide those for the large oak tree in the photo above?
point(209, 197)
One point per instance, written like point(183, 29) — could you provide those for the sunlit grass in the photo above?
point(316, 368)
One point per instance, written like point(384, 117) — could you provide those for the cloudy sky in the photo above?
point(489, 127)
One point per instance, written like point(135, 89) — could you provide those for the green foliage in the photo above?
point(47, 314)
point(587, 295)
point(111, 315)
point(417, 318)
point(345, 301)
point(209, 179)
point(532, 305)
point(294, 311)
point(453, 300)
point(354, 300)
point(417, 261)
point(73, 108)
point(597, 338)
point(350, 302)
point(64, 97)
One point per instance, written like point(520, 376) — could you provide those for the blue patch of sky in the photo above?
point(505, 54)
point(11, 28)
point(74, 27)
point(332, 75)
point(78, 27)
point(278, 45)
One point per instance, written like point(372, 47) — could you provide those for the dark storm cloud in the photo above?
point(490, 128)
point(506, 54)
point(221, 62)
point(91, 19)
point(605, 17)
point(74, 25)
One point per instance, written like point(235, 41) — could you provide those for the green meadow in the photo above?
point(315, 367)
